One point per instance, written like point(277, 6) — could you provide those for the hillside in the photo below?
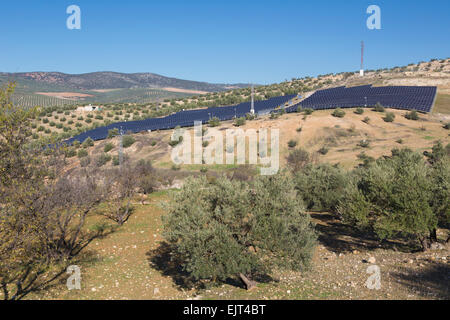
point(137, 104)
point(340, 137)
point(133, 263)
point(55, 88)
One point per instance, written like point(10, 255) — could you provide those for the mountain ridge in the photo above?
point(115, 80)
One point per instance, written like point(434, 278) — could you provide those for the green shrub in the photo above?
point(413, 115)
point(88, 143)
point(323, 151)
point(173, 143)
point(447, 126)
point(85, 161)
point(292, 143)
point(308, 111)
point(339, 113)
point(239, 122)
point(76, 144)
point(115, 161)
point(128, 141)
point(366, 120)
point(218, 227)
point(321, 186)
point(112, 133)
point(389, 117)
point(378, 108)
point(82, 153)
point(393, 197)
point(71, 152)
point(103, 159)
point(359, 111)
point(108, 147)
point(298, 159)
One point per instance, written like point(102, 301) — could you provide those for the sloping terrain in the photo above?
point(123, 265)
point(57, 89)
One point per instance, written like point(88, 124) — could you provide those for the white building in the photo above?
point(89, 108)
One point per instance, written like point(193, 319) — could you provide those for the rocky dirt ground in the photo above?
point(122, 265)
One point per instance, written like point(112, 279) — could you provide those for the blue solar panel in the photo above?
point(184, 118)
point(400, 97)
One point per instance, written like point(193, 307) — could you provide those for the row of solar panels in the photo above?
point(185, 118)
point(398, 97)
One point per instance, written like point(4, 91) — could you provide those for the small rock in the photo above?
point(355, 251)
point(155, 291)
point(437, 246)
point(372, 260)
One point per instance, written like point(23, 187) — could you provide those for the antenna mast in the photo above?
point(252, 109)
point(361, 71)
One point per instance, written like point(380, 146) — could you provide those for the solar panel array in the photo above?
point(185, 118)
point(397, 97)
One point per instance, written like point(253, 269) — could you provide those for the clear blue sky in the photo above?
point(230, 41)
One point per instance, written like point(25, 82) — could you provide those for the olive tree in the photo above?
point(236, 229)
point(393, 196)
point(42, 209)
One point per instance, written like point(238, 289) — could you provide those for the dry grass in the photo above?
point(119, 267)
point(442, 104)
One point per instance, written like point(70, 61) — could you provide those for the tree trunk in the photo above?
point(433, 236)
point(5, 291)
point(425, 243)
point(249, 284)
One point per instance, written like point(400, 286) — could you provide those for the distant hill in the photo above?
point(115, 80)
point(57, 89)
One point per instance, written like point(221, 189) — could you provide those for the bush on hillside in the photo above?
point(389, 117)
point(322, 186)
point(128, 141)
point(394, 196)
point(298, 159)
point(214, 236)
point(339, 113)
